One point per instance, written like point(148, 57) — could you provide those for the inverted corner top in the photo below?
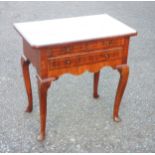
point(66, 30)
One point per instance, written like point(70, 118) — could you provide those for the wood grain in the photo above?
point(83, 47)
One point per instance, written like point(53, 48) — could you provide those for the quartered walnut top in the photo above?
point(67, 30)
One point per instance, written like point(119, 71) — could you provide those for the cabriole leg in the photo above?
point(43, 86)
point(124, 72)
point(25, 68)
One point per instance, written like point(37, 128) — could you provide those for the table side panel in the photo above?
point(38, 57)
point(31, 54)
point(126, 49)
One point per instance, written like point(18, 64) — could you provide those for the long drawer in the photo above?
point(84, 58)
point(84, 47)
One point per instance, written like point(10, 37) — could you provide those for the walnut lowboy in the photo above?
point(75, 57)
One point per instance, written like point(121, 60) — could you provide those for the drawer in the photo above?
point(84, 47)
point(85, 58)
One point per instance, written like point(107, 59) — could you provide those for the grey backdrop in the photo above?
point(75, 121)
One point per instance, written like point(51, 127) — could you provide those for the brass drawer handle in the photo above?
point(68, 49)
point(108, 43)
point(67, 62)
point(107, 56)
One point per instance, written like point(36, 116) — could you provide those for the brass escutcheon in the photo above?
point(67, 62)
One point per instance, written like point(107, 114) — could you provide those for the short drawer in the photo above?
point(85, 58)
point(84, 47)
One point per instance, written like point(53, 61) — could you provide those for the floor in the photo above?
point(76, 122)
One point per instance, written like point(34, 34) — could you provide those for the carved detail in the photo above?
point(25, 69)
point(124, 72)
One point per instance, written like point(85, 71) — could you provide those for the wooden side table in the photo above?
point(73, 45)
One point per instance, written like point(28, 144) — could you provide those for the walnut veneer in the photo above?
point(75, 57)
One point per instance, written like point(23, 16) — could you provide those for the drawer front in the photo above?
point(85, 58)
point(84, 47)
